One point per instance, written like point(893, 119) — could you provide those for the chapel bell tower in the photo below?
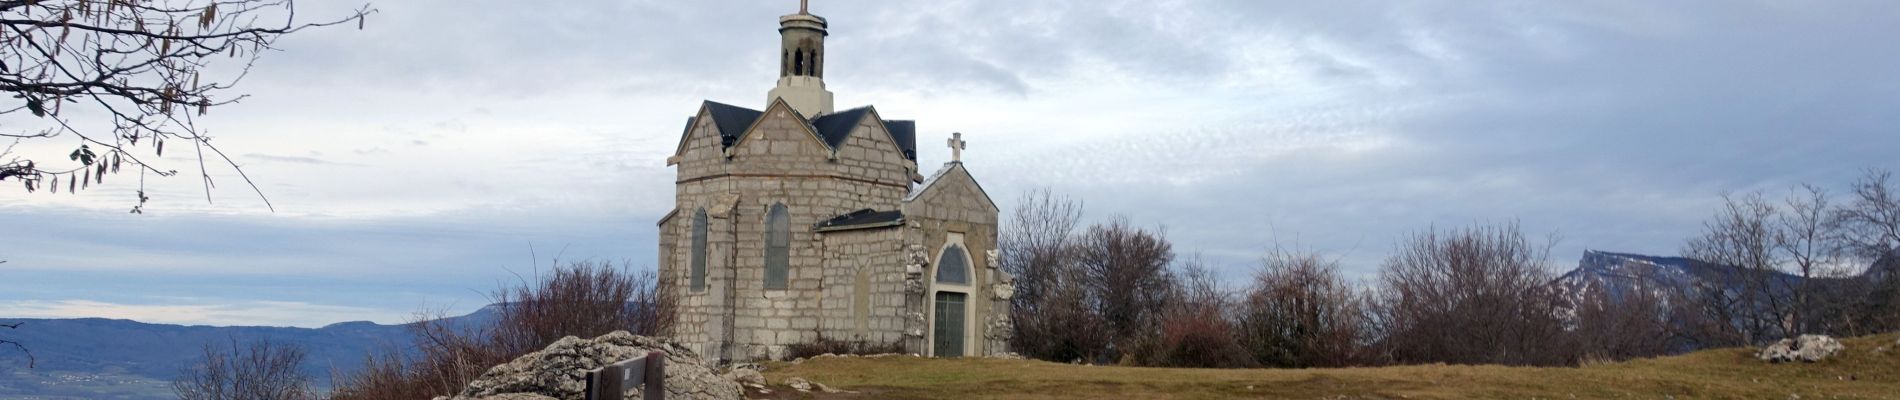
point(801, 76)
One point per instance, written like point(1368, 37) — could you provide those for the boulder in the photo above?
point(799, 384)
point(746, 376)
point(1806, 348)
point(560, 371)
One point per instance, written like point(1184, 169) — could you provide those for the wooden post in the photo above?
point(610, 382)
point(655, 376)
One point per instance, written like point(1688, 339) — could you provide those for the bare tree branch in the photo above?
point(145, 67)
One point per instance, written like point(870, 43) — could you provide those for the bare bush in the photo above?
point(584, 299)
point(1126, 270)
point(856, 346)
point(1036, 247)
point(1637, 319)
point(1196, 331)
point(1479, 295)
point(261, 370)
point(1300, 313)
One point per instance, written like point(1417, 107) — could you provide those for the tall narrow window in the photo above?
point(699, 251)
point(778, 247)
point(953, 267)
point(798, 68)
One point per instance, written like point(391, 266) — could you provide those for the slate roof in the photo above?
point(732, 120)
point(905, 133)
point(834, 128)
point(861, 219)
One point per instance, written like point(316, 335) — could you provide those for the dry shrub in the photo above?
point(1195, 331)
point(584, 299)
point(827, 345)
point(1125, 272)
point(261, 370)
point(1620, 326)
point(1300, 313)
point(1479, 295)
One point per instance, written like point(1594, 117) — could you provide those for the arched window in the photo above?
point(953, 267)
point(778, 247)
point(699, 251)
point(798, 68)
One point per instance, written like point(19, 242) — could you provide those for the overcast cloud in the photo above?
point(414, 163)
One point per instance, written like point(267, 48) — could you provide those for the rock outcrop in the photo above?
point(1806, 348)
point(560, 371)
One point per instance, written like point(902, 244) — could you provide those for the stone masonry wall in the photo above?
point(778, 162)
point(864, 285)
point(955, 204)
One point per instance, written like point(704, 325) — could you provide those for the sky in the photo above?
point(450, 146)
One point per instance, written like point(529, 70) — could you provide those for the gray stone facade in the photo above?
point(866, 230)
point(870, 283)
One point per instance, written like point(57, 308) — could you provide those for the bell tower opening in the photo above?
point(801, 80)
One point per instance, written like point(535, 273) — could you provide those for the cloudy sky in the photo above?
point(453, 145)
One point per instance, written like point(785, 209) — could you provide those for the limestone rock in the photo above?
point(827, 389)
point(1806, 348)
point(799, 384)
point(746, 376)
point(1007, 356)
point(560, 371)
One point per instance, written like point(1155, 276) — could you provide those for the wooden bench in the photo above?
point(610, 382)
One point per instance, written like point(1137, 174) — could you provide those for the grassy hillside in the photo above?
point(1869, 369)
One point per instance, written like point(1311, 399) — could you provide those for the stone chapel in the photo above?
point(799, 221)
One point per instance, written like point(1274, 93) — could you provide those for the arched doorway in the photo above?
point(950, 306)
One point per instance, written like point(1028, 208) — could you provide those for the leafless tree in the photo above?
point(1128, 279)
point(1869, 230)
point(261, 370)
point(115, 75)
point(1479, 295)
point(1804, 234)
point(1751, 291)
point(1036, 247)
point(1300, 313)
point(1870, 224)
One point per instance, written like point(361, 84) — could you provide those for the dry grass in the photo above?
point(1859, 373)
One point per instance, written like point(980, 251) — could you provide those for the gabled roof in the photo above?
point(732, 120)
point(861, 219)
point(833, 129)
point(949, 167)
point(905, 133)
point(836, 127)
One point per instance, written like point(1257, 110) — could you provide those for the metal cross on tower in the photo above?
point(804, 6)
point(956, 144)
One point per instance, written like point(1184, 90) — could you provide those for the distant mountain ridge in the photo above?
point(1620, 272)
point(158, 351)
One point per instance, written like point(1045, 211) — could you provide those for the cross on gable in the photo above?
point(956, 144)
